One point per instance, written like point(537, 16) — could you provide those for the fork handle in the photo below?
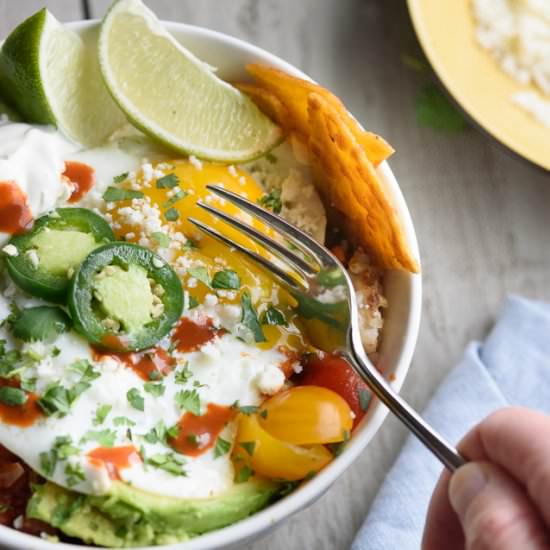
point(432, 440)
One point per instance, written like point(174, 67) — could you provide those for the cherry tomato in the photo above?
point(273, 458)
point(336, 374)
point(305, 415)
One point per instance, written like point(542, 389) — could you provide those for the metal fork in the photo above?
point(326, 301)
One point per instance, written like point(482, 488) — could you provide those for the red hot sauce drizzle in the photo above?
point(15, 214)
point(114, 459)
point(191, 336)
point(148, 365)
point(20, 415)
point(82, 176)
point(197, 434)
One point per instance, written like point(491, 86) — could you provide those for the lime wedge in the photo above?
point(51, 75)
point(172, 96)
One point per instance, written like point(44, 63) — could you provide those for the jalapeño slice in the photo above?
point(124, 297)
point(49, 254)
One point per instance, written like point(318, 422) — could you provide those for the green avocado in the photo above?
point(130, 517)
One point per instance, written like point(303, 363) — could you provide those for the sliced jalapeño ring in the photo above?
point(124, 297)
point(49, 254)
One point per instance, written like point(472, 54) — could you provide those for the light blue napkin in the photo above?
point(511, 368)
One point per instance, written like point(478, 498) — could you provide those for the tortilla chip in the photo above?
point(347, 181)
point(293, 93)
point(266, 101)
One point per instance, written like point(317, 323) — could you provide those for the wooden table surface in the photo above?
point(482, 217)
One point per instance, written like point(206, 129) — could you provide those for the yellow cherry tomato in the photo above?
point(273, 458)
point(305, 415)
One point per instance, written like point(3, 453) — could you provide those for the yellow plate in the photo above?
point(446, 30)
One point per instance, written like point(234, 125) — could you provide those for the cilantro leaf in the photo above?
point(248, 446)
point(173, 200)
point(172, 215)
point(244, 474)
point(74, 473)
point(226, 279)
point(168, 182)
point(114, 194)
point(12, 396)
point(245, 409)
point(106, 438)
point(222, 447)
point(101, 414)
point(154, 389)
point(169, 462)
point(135, 399)
point(193, 302)
point(183, 376)
point(273, 316)
point(250, 318)
point(123, 421)
point(189, 400)
point(272, 200)
point(56, 399)
point(200, 273)
point(364, 399)
point(40, 323)
point(121, 177)
point(435, 110)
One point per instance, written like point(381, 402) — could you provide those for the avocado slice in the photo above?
point(130, 517)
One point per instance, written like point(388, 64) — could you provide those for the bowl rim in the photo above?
point(261, 522)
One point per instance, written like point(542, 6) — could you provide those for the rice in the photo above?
point(517, 33)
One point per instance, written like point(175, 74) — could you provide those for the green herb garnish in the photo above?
point(189, 400)
point(250, 318)
point(272, 200)
point(106, 438)
point(101, 414)
point(136, 399)
point(227, 280)
point(273, 316)
point(169, 462)
point(161, 238)
point(173, 200)
point(248, 446)
point(43, 323)
point(154, 389)
point(168, 182)
point(222, 447)
point(200, 273)
point(114, 194)
point(121, 177)
point(172, 215)
point(12, 396)
point(244, 474)
point(183, 375)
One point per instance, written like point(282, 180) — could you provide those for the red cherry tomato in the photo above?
point(336, 374)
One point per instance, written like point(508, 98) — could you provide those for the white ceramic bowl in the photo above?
point(402, 320)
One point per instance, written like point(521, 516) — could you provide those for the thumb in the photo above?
point(494, 511)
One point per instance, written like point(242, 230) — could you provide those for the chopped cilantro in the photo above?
point(121, 177)
point(29, 384)
point(169, 462)
point(272, 200)
point(435, 110)
point(48, 463)
point(172, 215)
point(337, 448)
point(222, 447)
point(245, 409)
point(173, 432)
point(101, 414)
point(250, 318)
point(190, 244)
point(244, 474)
point(55, 400)
point(183, 375)
point(193, 439)
point(200, 273)
point(74, 473)
point(189, 400)
point(168, 182)
point(159, 433)
point(248, 446)
point(161, 238)
point(123, 421)
point(114, 194)
point(44, 323)
point(226, 279)
point(193, 302)
point(173, 200)
point(273, 316)
point(154, 389)
point(106, 438)
point(135, 399)
point(12, 396)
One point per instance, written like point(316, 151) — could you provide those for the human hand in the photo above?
point(501, 499)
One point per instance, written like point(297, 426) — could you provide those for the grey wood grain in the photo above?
point(481, 215)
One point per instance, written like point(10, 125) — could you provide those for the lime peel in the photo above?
point(172, 96)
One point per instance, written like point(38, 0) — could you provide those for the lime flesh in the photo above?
point(51, 75)
point(172, 96)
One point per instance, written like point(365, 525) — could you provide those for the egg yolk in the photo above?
point(175, 198)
